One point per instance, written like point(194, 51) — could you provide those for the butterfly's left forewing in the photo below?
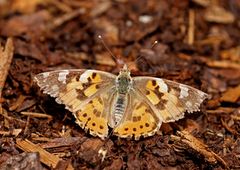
point(86, 93)
point(169, 99)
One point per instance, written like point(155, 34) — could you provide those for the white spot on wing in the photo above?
point(163, 86)
point(188, 104)
point(200, 93)
point(85, 75)
point(184, 91)
point(63, 76)
point(45, 76)
point(54, 87)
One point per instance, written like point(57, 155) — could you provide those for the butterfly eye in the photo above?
point(129, 80)
point(118, 79)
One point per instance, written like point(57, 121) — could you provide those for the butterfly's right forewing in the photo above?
point(86, 93)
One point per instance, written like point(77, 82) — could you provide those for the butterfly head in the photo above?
point(124, 80)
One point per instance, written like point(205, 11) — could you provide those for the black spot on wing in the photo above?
point(169, 89)
point(81, 96)
point(161, 104)
point(89, 79)
point(96, 112)
point(94, 75)
point(154, 83)
point(100, 101)
point(78, 77)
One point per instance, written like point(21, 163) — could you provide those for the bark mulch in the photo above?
point(198, 45)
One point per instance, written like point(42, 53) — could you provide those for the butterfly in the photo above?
point(132, 107)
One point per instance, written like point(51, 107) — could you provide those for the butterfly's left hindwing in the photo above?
point(86, 93)
point(139, 118)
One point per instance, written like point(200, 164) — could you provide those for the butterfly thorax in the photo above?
point(124, 81)
point(123, 84)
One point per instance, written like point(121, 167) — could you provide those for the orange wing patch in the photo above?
point(91, 117)
point(141, 123)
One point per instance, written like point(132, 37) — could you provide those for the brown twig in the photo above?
point(39, 115)
point(18, 102)
point(27, 125)
point(11, 118)
point(6, 121)
point(191, 27)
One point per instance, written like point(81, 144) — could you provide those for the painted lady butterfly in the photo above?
point(133, 107)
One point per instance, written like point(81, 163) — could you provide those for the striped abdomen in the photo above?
point(120, 108)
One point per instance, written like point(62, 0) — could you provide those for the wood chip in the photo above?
point(45, 157)
point(236, 117)
point(6, 56)
point(102, 59)
point(188, 141)
point(66, 17)
point(213, 63)
point(58, 142)
point(100, 8)
point(219, 15)
point(15, 132)
point(60, 5)
point(231, 95)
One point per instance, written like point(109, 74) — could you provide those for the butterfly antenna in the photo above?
point(100, 37)
point(143, 53)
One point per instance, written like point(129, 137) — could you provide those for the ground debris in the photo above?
point(24, 161)
point(188, 142)
point(45, 157)
point(198, 45)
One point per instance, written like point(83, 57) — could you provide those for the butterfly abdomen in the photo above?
point(120, 108)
